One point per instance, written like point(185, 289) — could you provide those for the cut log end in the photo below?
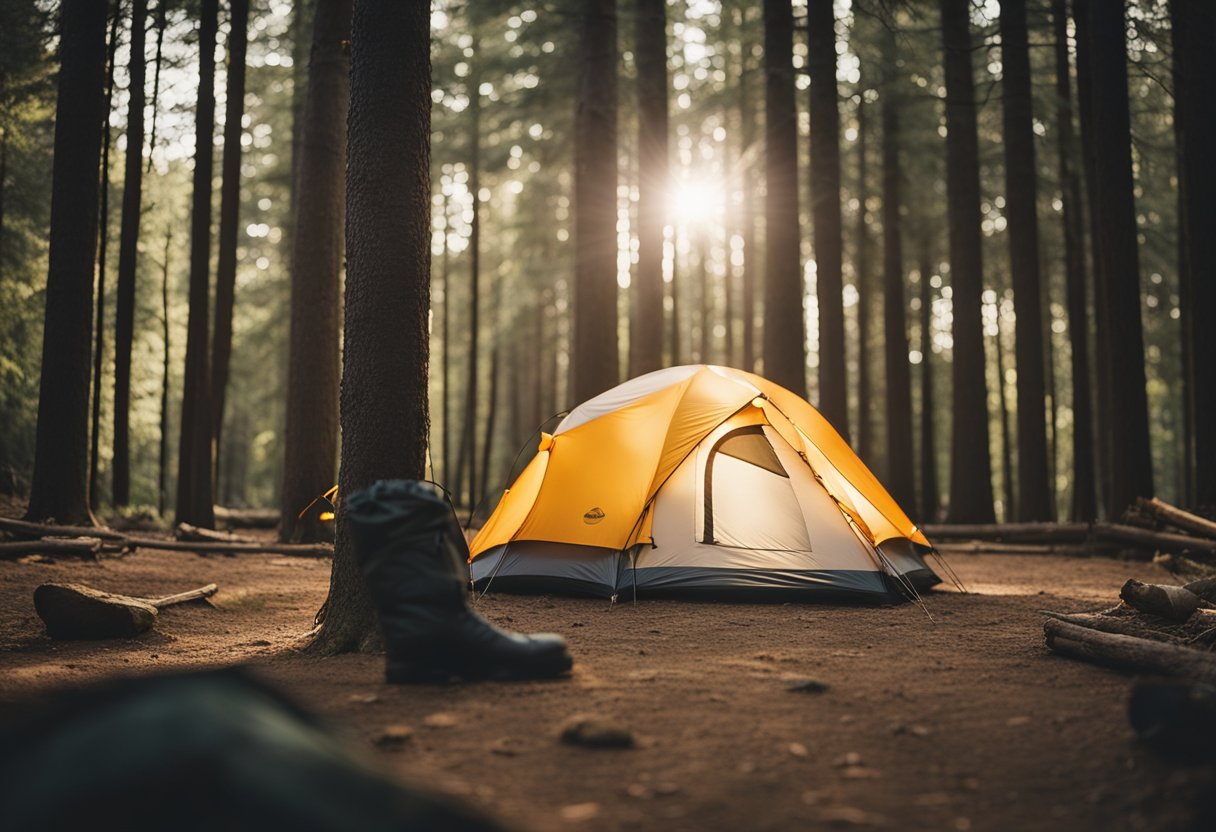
point(75, 611)
point(1172, 602)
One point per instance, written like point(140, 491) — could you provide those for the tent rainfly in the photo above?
point(700, 481)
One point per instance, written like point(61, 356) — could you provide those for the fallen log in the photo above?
point(1157, 541)
point(186, 531)
point(1123, 652)
point(1177, 517)
point(76, 611)
point(24, 528)
point(992, 547)
point(1205, 588)
point(1172, 602)
point(305, 550)
point(246, 518)
point(88, 547)
point(1012, 532)
point(1122, 625)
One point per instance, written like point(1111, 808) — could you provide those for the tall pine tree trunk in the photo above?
point(825, 212)
point(445, 326)
point(230, 209)
point(195, 467)
point(162, 459)
point(901, 467)
point(970, 464)
point(1114, 230)
point(124, 323)
point(650, 51)
point(388, 245)
point(747, 177)
point(1021, 194)
point(1084, 505)
point(99, 329)
point(1089, 137)
point(311, 448)
point(784, 321)
point(1194, 32)
point(468, 438)
point(861, 280)
point(61, 454)
point(1008, 493)
point(595, 364)
point(930, 494)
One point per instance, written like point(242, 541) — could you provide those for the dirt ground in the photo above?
point(965, 722)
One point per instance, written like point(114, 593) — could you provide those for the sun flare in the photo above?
point(694, 201)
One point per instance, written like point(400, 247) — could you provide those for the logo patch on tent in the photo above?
point(593, 516)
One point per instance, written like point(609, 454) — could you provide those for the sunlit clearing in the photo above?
point(695, 201)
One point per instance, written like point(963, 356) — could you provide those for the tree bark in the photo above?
point(161, 23)
point(1084, 506)
point(747, 117)
point(970, 465)
point(61, 456)
point(1021, 194)
point(825, 212)
point(1008, 493)
point(195, 467)
point(124, 322)
point(1101, 360)
point(1115, 235)
point(594, 366)
point(930, 496)
point(1194, 33)
point(311, 447)
point(99, 329)
point(468, 439)
point(388, 244)
point(162, 467)
point(861, 280)
point(901, 468)
point(230, 210)
point(445, 326)
point(1129, 653)
point(784, 321)
point(650, 54)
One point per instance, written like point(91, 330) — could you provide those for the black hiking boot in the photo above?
point(413, 555)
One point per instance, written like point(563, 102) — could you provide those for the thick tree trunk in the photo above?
point(1194, 33)
point(930, 494)
point(61, 455)
point(311, 447)
point(1089, 136)
point(970, 465)
point(825, 212)
point(784, 321)
point(388, 245)
point(650, 54)
point(595, 363)
point(1115, 241)
point(901, 468)
point(124, 322)
point(1021, 194)
point(99, 328)
point(195, 468)
point(861, 279)
point(230, 210)
point(1084, 506)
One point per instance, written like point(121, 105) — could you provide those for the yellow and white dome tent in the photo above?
point(700, 480)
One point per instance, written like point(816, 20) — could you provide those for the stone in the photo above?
point(590, 731)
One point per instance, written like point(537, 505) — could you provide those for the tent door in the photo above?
point(748, 501)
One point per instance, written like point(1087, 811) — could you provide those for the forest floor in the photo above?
point(963, 723)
